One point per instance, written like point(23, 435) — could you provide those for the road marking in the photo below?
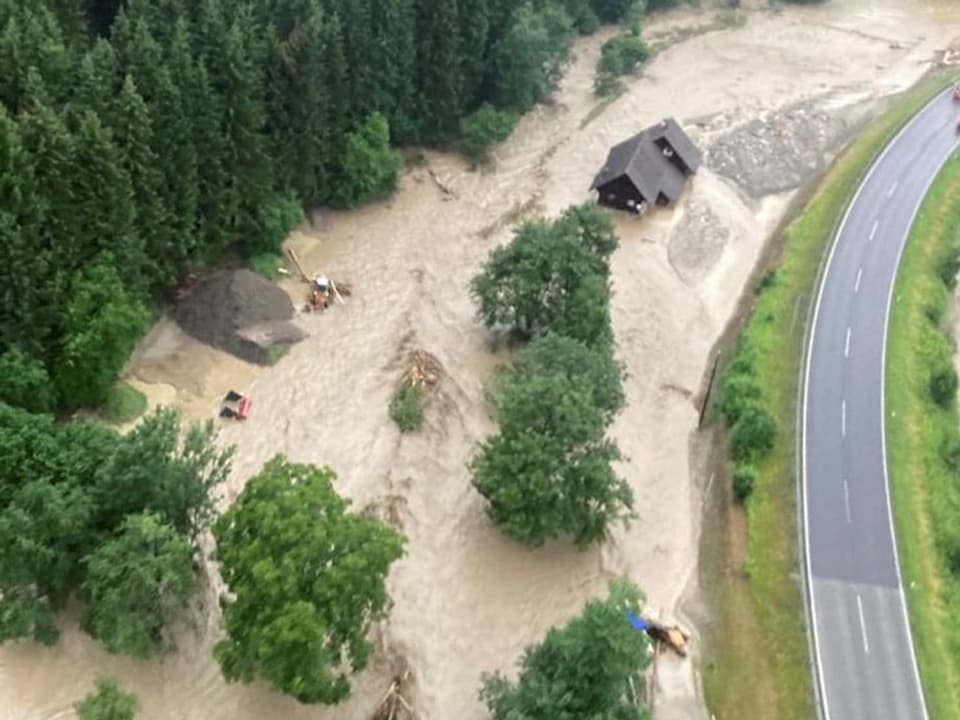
point(846, 345)
point(893, 189)
point(856, 285)
point(863, 625)
point(843, 418)
point(873, 230)
point(846, 498)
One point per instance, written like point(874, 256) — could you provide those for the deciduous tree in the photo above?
point(307, 580)
point(138, 585)
point(589, 668)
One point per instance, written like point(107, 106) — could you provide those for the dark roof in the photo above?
point(641, 160)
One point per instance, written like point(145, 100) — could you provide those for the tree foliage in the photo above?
point(137, 585)
point(370, 167)
point(24, 382)
point(548, 472)
point(67, 493)
point(109, 702)
point(552, 275)
point(307, 580)
point(589, 668)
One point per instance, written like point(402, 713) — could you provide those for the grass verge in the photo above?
point(923, 441)
point(124, 404)
point(757, 661)
point(266, 264)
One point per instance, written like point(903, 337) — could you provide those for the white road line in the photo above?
point(846, 498)
point(856, 285)
point(863, 625)
point(846, 345)
point(893, 189)
point(873, 230)
point(843, 418)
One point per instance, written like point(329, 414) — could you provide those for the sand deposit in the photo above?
point(466, 600)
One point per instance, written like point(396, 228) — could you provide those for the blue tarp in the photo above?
point(637, 622)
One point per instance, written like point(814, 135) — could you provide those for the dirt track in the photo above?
point(466, 599)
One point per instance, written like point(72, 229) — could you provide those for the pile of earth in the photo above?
point(242, 313)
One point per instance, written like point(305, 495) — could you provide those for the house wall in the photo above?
point(617, 192)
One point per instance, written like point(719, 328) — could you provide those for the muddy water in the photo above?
point(466, 600)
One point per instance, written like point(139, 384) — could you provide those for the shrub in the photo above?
point(124, 404)
point(744, 478)
point(109, 702)
point(406, 407)
point(278, 216)
point(737, 391)
point(267, 264)
point(768, 279)
point(24, 382)
point(948, 266)
point(484, 127)
point(622, 55)
point(753, 434)
point(369, 168)
point(943, 384)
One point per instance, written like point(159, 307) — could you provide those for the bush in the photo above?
point(24, 382)
point(622, 55)
point(948, 266)
point(484, 127)
point(619, 56)
point(943, 384)
point(753, 434)
point(110, 702)
point(124, 404)
point(369, 168)
point(744, 478)
point(278, 217)
point(267, 264)
point(737, 392)
point(406, 407)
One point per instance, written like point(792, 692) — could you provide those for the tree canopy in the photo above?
point(548, 471)
point(589, 668)
point(307, 580)
point(109, 702)
point(110, 518)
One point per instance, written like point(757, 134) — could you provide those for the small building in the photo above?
point(648, 169)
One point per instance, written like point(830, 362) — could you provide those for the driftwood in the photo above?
point(296, 261)
point(425, 369)
point(394, 705)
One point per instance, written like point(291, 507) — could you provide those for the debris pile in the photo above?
point(242, 313)
point(394, 706)
point(425, 369)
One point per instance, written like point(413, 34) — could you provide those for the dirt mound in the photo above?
point(242, 313)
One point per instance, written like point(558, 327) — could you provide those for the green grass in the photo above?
point(926, 493)
point(267, 264)
point(276, 352)
point(758, 660)
point(124, 404)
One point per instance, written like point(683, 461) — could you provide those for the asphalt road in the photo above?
point(863, 646)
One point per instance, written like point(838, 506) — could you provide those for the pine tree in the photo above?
point(133, 134)
point(30, 38)
point(95, 79)
point(440, 87)
point(102, 212)
point(474, 33)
